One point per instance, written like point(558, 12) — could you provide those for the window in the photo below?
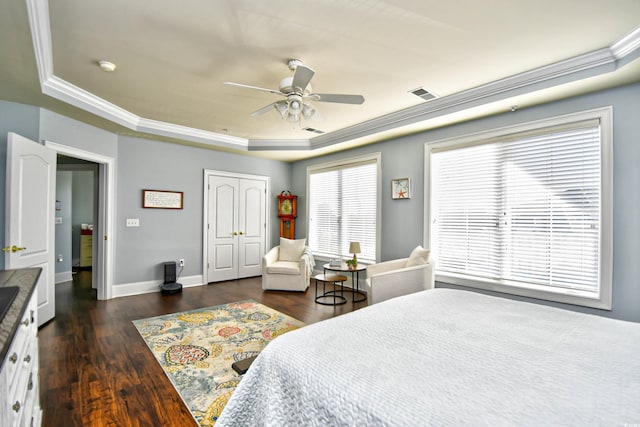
point(526, 210)
point(343, 207)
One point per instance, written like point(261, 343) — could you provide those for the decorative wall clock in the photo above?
point(287, 211)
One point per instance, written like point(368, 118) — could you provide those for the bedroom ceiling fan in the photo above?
point(297, 92)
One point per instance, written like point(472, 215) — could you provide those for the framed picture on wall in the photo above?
point(162, 199)
point(401, 188)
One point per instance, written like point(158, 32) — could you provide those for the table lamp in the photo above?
point(354, 248)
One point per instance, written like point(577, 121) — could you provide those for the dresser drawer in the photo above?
point(19, 391)
point(18, 348)
point(86, 250)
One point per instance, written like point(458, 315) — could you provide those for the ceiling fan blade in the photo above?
point(302, 77)
point(277, 92)
point(264, 109)
point(334, 97)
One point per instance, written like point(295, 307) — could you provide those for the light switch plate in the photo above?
point(133, 222)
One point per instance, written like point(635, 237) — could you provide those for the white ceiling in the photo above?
point(172, 58)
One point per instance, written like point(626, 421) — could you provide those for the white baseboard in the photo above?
point(65, 276)
point(128, 289)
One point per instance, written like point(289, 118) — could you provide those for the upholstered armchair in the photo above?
point(287, 267)
point(402, 276)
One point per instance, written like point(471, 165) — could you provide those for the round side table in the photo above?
point(330, 297)
point(356, 294)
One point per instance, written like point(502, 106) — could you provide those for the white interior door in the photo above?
point(252, 227)
point(236, 225)
point(222, 234)
point(30, 207)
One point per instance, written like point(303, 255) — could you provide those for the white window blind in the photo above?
point(522, 211)
point(343, 209)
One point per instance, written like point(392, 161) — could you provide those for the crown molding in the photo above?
point(579, 67)
point(576, 68)
point(279, 144)
point(38, 11)
point(192, 134)
point(64, 91)
point(626, 45)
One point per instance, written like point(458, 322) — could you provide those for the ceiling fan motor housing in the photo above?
point(286, 87)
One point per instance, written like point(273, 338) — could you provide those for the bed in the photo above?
point(446, 357)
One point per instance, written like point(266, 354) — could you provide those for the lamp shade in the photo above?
point(354, 247)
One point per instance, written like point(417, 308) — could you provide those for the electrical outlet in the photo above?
point(181, 263)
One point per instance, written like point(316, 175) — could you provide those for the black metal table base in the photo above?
point(355, 280)
point(337, 299)
point(354, 292)
point(323, 298)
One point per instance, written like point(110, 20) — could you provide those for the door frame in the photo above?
point(106, 214)
point(205, 214)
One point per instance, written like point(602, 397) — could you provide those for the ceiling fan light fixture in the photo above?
point(281, 107)
point(293, 118)
point(294, 105)
point(308, 110)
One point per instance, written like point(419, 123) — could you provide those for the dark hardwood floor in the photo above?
point(95, 369)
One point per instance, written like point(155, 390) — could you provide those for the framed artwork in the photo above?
point(162, 199)
point(401, 188)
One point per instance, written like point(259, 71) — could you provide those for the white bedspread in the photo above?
point(446, 358)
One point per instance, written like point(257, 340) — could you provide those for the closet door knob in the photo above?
point(13, 248)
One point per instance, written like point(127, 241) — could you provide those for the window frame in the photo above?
point(604, 296)
point(342, 164)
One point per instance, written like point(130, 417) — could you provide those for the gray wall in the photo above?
point(402, 220)
point(163, 235)
point(166, 234)
point(63, 231)
point(169, 235)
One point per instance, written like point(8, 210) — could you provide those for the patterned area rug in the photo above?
point(196, 349)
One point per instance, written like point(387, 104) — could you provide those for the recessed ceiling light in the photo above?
point(107, 66)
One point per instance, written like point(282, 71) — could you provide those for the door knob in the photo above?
point(241, 233)
point(235, 233)
point(13, 248)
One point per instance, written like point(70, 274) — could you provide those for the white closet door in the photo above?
point(251, 220)
point(223, 229)
point(236, 232)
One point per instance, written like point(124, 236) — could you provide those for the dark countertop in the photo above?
point(26, 279)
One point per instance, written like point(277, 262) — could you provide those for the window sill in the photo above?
point(566, 296)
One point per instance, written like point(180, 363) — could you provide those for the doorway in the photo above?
point(103, 238)
point(77, 205)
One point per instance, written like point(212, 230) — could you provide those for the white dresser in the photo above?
point(86, 248)
point(19, 388)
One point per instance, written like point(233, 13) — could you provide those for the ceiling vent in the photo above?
point(313, 130)
point(423, 93)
